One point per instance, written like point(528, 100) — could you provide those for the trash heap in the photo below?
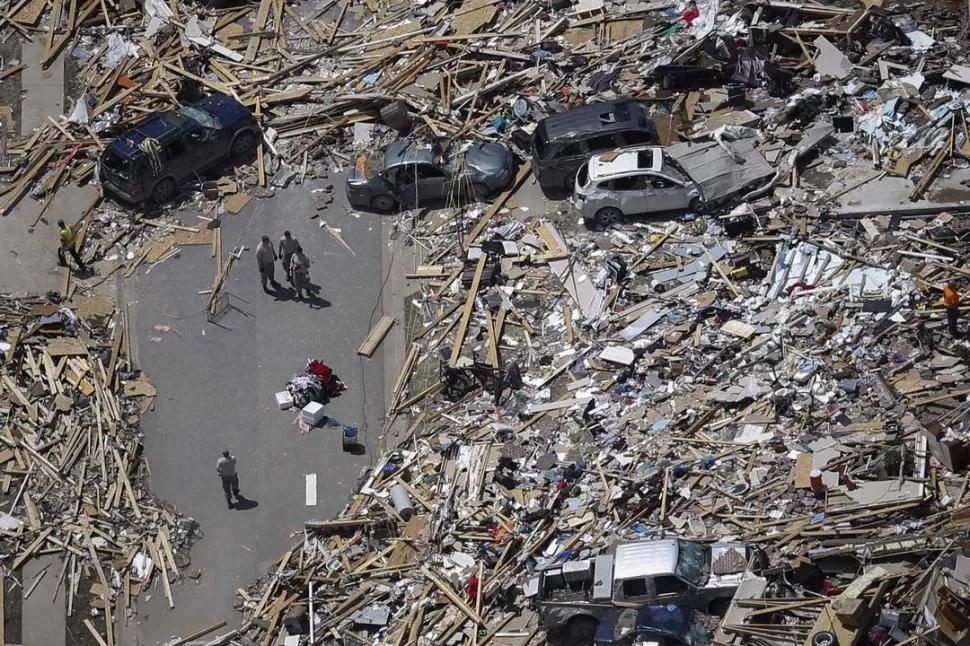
point(892, 78)
point(778, 374)
point(73, 468)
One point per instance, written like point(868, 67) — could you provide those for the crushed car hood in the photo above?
point(714, 170)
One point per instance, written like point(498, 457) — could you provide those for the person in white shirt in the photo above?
point(300, 268)
point(265, 261)
point(226, 468)
point(288, 246)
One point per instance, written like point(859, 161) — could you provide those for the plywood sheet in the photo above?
point(473, 16)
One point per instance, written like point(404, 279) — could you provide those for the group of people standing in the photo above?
point(295, 263)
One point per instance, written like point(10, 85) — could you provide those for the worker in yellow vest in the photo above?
point(951, 301)
point(69, 244)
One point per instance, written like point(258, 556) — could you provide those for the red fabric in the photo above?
point(691, 15)
point(472, 589)
point(321, 370)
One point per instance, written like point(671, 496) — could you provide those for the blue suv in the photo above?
point(150, 161)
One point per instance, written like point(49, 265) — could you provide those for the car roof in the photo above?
point(405, 152)
point(590, 119)
point(625, 161)
point(160, 126)
point(645, 558)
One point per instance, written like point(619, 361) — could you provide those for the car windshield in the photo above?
point(201, 117)
point(691, 561)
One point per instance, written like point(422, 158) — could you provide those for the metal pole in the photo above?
point(312, 640)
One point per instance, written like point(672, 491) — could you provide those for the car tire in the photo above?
point(480, 191)
point(825, 638)
point(695, 205)
point(582, 630)
point(570, 183)
point(607, 216)
point(164, 190)
point(243, 143)
point(383, 203)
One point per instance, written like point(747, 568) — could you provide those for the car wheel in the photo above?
point(480, 191)
point(582, 630)
point(164, 190)
point(609, 215)
point(825, 638)
point(695, 205)
point(383, 203)
point(570, 183)
point(243, 143)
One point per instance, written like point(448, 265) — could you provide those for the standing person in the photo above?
point(226, 468)
point(288, 246)
point(265, 260)
point(300, 268)
point(951, 301)
point(69, 243)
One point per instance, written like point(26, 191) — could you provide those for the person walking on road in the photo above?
point(266, 261)
point(951, 301)
point(300, 268)
point(69, 244)
point(288, 246)
point(226, 467)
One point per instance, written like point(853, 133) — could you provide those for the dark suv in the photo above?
point(148, 162)
point(564, 141)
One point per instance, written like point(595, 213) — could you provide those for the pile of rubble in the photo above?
point(774, 376)
point(778, 376)
point(73, 469)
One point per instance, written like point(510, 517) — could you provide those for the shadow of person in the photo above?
point(243, 503)
point(357, 449)
point(316, 302)
point(282, 293)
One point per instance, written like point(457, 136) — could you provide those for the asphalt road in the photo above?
point(216, 384)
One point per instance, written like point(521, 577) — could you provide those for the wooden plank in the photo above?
point(29, 551)
point(108, 616)
point(260, 23)
point(466, 313)
point(450, 593)
point(375, 336)
point(94, 632)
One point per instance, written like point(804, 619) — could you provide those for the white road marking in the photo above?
point(311, 490)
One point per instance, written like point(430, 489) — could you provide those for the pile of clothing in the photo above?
point(318, 383)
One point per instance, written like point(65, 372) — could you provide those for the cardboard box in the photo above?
point(313, 413)
point(284, 400)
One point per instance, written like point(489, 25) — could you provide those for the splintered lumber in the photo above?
point(450, 593)
point(466, 313)
point(375, 336)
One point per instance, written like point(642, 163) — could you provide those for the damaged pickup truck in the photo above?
point(651, 179)
point(576, 595)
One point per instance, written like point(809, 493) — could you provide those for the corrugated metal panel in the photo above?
point(714, 170)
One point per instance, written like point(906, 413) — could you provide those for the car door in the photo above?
point(432, 182)
point(638, 590)
point(671, 589)
point(664, 194)
point(629, 193)
point(186, 154)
